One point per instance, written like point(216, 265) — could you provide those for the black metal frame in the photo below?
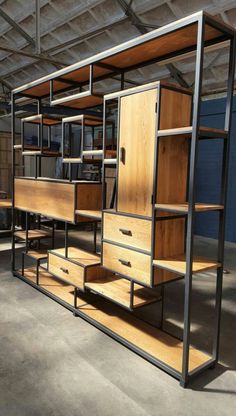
point(201, 19)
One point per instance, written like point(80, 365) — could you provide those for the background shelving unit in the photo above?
point(150, 213)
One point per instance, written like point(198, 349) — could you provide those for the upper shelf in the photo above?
point(174, 39)
point(42, 118)
point(90, 121)
point(183, 208)
point(79, 101)
point(204, 132)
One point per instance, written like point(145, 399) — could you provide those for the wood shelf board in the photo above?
point(46, 119)
point(5, 203)
point(183, 208)
point(90, 121)
point(72, 160)
point(47, 153)
point(32, 234)
point(53, 285)
point(89, 213)
point(118, 289)
point(37, 254)
point(81, 257)
point(86, 101)
point(178, 264)
point(187, 131)
point(146, 337)
point(92, 152)
point(110, 161)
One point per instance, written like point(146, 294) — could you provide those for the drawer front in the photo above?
point(71, 272)
point(129, 231)
point(127, 262)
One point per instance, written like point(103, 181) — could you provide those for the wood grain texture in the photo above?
point(139, 267)
point(152, 340)
point(137, 137)
point(62, 268)
point(118, 289)
point(36, 234)
point(116, 227)
point(89, 196)
point(178, 264)
point(52, 199)
point(5, 203)
point(79, 256)
point(199, 207)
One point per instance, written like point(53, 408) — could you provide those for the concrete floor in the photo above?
point(52, 363)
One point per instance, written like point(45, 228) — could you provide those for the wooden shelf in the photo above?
point(90, 121)
point(92, 152)
point(46, 153)
point(37, 255)
point(17, 146)
point(42, 118)
point(144, 336)
point(32, 234)
point(72, 160)
point(204, 132)
point(79, 101)
point(5, 203)
point(183, 208)
point(118, 290)
point(78, 256)
point(89, 213)
point(110, 161)
point(178, 264)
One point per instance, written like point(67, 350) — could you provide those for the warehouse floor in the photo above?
point(52, 363)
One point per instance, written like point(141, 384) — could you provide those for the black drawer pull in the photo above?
point(122, 155)
point(64, 270)
point(125, 262)
point(125, 232)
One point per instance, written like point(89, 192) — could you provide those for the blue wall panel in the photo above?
point(209, 172)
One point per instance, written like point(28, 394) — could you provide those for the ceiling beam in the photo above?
point(17, 27)
point(135, 20)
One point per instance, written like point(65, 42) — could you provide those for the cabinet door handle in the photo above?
point(64, 270)
point(125, 232)
point(125, 262)
point(122, 155)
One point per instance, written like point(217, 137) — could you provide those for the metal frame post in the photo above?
point(13, 179)
point(191, 198)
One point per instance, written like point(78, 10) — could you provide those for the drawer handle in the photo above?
point(64, 270)
point(125, 232)
point(125, 262)
point(122, 155)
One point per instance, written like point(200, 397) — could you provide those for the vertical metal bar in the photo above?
point(222, 219)
point(66, 239)
point(35, 166)
point(91, 78)
point(191, 197)
point(13, 179)
point(122, 80)
point(26, 232)
point(63, 141)
point(37, 271)
point(104, 189)
point(37, 34)
point(70, 172)
point(53, 234)
point(95, 236)
point(82, 138)
point(131, 295)
point(23, 135)
point(162, 304)
point(51, 90)
point(22, 263)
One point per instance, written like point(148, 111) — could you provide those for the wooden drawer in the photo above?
point(129, 231)
point(127, 262)
point(71, 272)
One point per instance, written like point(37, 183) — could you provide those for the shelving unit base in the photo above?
point(155, 345)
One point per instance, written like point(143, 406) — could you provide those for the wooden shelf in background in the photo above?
point(79, 101)
point(204, 132)
point(144, 336)
point(78, 256)
point(89, 213)
point(72, 160)
point(92, 152)
point(110, 161)
point(5, 203)
point(183, 208)
point(46, 153)
point(32, 234)
point(46, 119)
point(178, 264)
point(118, 289)
point(37, 254)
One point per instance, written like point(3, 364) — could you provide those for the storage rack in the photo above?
point(178, 358)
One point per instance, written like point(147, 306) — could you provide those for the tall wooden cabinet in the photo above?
point(149, 171)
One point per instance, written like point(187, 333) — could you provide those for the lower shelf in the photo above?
point(178, 264)
point(118, 290)
point(32, 234)
point(145, 339)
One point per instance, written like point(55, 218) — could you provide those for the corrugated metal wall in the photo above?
point(209, 172)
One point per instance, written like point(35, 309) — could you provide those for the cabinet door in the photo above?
point(136, 152)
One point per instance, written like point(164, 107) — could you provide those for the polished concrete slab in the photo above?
point(52, 363)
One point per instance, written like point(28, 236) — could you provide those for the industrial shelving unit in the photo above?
point(148, 228)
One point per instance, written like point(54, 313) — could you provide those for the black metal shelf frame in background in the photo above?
point(201, 19)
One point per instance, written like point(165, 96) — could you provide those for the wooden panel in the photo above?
point(152, 340)
point(138, 268)
point(33, 234)
point(134, 232)
point(81, 257)
point(169, 241)
point(71, 272)
point(137, 135)
point(178, 264)
point(183, 208)
point(52, 199)
point(5, 203)
point(89, 196)
point(175, 111)
point(118, 290)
